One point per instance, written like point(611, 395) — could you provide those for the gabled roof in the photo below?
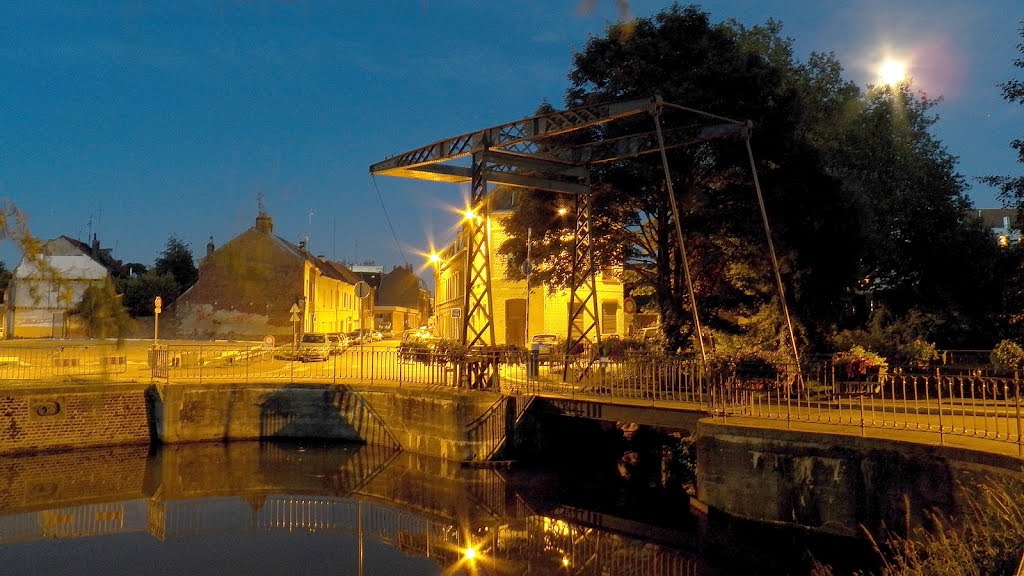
point(99, 255)
point(80, 267)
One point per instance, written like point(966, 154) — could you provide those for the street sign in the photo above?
point(629, 305)
point(456, 312)
point(268, 342)
point(294, 310)
point(526, 268)
point(362, 289)
point(295, 317)
point(157, 304)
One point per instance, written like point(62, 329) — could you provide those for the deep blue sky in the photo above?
point(137, 120)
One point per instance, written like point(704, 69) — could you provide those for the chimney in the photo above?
point(302, 244)
point(209, 247)
point(264, 223)
point(95, 244)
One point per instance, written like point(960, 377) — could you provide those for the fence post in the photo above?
point(200, 363)
point(1016, 401)
point(861, 415)
point(938, 395)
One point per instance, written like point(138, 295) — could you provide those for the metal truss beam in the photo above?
point(478, 315)
point(519, 136)
point(584, 325)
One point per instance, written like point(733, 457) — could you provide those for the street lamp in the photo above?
point(435, 259)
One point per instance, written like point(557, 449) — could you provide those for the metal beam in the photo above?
point(509, 136)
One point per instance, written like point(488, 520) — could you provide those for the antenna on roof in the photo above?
point(260, 206)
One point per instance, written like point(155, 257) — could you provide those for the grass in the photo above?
point(986, 539)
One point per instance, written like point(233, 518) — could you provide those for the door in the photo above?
point(515, 321)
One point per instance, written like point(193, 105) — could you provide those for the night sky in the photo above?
point(137, 120)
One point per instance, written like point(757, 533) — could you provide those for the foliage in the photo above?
point(986, 539)
point(833, 162)
point(176, 260)
point(1012, 188)
point(101, 311)
point(857, 361)
point(617, 347)
point(5, 275)
point(140, 291)
point(904, 339)
point(1007, 355)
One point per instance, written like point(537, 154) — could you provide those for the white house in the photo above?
point(38, 299)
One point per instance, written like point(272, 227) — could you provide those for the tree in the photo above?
point(1012, 188)
point(917, 248)
point(140, 291)
point(101, 311)
point(5, 275)
point(176, 260)
point(732, 71)
point(864, 202)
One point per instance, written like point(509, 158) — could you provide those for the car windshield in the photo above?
point(314, 338)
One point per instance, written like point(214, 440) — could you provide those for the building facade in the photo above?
point(249, 288)
point(548, 311)
point(44, 289)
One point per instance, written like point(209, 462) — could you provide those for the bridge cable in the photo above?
point(388, 218)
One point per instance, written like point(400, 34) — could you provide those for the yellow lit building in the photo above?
point(549, 312)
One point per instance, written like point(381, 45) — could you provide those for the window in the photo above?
point(609, 317)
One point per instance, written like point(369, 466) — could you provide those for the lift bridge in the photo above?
point(557, 151)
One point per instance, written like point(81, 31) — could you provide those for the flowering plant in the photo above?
point(858, 362)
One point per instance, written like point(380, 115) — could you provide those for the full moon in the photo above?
point(892, 72)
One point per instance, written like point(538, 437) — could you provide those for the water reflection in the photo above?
point(267, 508)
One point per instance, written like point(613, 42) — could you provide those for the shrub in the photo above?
point(1007, 355)
point(858, 362)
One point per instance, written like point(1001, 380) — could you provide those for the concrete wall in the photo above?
point(434, 425)
point(73, 416)
point(836, 483)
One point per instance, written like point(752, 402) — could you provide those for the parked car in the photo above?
point(543, 343)
point(313, 346)
point(338, 343)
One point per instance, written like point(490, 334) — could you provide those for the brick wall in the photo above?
point(73, 416)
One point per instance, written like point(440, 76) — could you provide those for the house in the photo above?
point(255, 284)
point(402, 301)
point(43, 289)
point(1002, 222)
point(548, 310)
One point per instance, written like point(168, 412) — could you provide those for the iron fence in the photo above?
point(27, 361)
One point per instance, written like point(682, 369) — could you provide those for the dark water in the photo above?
point(270, 508)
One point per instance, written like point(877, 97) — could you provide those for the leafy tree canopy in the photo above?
point(176, 260)
point(865, 205)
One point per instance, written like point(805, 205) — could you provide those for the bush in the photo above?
point(1007, 355)
point(858, 362)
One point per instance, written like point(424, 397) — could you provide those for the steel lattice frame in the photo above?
point(526, 154)
point(584, 319)
point(478, 306)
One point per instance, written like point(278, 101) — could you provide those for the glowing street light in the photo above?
point(892, 72)
point(469, 214)
point(470, 553)
point(563, 211)
point(434, 258)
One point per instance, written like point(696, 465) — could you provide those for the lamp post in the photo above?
point(157, 307)
point(435, 259)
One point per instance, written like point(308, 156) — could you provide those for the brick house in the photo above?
point(246, 290)
point(43, 290)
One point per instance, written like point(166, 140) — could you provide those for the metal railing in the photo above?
point(956, 397)
point(25, 361)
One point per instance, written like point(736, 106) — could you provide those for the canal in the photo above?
point(313, 508)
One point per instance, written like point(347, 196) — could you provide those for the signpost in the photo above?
point(295, 329)
point(362, 291)
point(157, 306)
